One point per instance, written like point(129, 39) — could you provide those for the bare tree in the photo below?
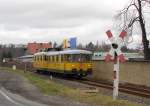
point(134, 13)
point(90, 46)
point(105, 47)
point(80, 46)
point(55, 45)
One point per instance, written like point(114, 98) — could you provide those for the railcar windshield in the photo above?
point(78, 57)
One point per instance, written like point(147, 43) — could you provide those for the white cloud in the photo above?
point(23, 21)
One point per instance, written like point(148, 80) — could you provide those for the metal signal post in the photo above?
point(116, 55)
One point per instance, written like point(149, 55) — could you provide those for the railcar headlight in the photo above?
point(89, 65)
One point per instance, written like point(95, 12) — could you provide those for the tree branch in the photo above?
point(148, 1)
point(132, 21)
point(126, 9)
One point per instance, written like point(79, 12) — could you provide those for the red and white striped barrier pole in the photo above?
point(116, 55)
point(116, 77)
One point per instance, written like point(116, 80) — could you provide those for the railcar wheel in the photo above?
point(79, 76)
point(38, 71)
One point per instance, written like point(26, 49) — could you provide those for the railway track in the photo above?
point(130, 89)
point(126, 88)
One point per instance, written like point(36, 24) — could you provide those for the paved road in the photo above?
point(9, 99)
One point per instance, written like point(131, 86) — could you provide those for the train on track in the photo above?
point(67, 62)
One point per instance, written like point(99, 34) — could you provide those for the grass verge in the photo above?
point(49, 87)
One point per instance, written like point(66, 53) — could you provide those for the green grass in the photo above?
point(48, 87)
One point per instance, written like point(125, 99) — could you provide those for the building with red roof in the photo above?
point(36, 47)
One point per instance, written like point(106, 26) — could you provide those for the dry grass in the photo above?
point(49, 87)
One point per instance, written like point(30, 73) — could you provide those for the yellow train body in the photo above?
point(74, 62)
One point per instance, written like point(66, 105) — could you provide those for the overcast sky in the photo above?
point(23, 21)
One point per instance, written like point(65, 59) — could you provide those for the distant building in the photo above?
point(70, 43)
point(36, 47)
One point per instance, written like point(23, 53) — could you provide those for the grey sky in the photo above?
point(23, 21)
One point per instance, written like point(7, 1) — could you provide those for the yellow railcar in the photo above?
point(73, 62)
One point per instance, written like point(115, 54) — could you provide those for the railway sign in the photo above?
point(117, 56)
point(116, 45)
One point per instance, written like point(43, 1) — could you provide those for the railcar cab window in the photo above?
point(78, 57)
point(86, 57)
point(81, 58)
